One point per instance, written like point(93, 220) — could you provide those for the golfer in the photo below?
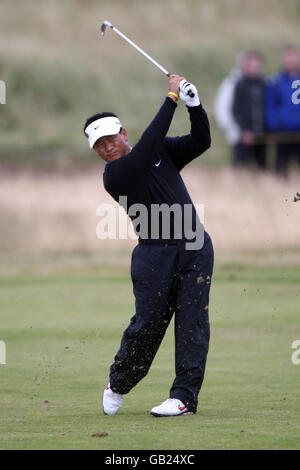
point(167, 277)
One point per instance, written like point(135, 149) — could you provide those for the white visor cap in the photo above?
point(102, 127)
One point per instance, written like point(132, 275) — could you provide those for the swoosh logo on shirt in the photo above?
point(157, 164)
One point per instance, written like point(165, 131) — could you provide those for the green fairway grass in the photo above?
point(62, 331)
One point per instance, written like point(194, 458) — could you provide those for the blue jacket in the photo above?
point(281, 113)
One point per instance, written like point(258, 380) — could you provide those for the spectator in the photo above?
point(282, 115)
point(223, 104)
point(248, 111)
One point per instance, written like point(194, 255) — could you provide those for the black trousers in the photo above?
point(245, 155)
point(283, 156)
point(167, 279)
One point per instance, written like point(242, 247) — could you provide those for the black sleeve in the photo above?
point(184, 149)
point(134, 167)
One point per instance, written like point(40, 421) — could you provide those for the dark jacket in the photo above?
point(248, 104)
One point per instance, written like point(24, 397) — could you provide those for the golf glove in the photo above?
point(184, 87)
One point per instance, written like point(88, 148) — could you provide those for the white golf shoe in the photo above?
point(171, 407)
point(111, 401)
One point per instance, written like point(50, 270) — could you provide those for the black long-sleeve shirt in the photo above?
point(149, 173)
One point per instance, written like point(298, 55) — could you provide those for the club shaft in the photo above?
point(140, 50)
point(122, 35)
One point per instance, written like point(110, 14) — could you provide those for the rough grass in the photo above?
point(62, 331)
point(247, 214)
point(58, 70)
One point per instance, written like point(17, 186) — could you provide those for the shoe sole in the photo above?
point(159, 415)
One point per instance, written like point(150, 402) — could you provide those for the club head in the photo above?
point(104, 26)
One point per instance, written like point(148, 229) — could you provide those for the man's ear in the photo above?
point(124, 134)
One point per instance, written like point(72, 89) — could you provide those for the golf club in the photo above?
point(108, 24)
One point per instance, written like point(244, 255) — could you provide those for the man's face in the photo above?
point(112, 147)
point(291, 60)
point(252, 66)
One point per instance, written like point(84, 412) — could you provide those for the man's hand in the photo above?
point(174, 81)
point(248, 138)
point(185, 87)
